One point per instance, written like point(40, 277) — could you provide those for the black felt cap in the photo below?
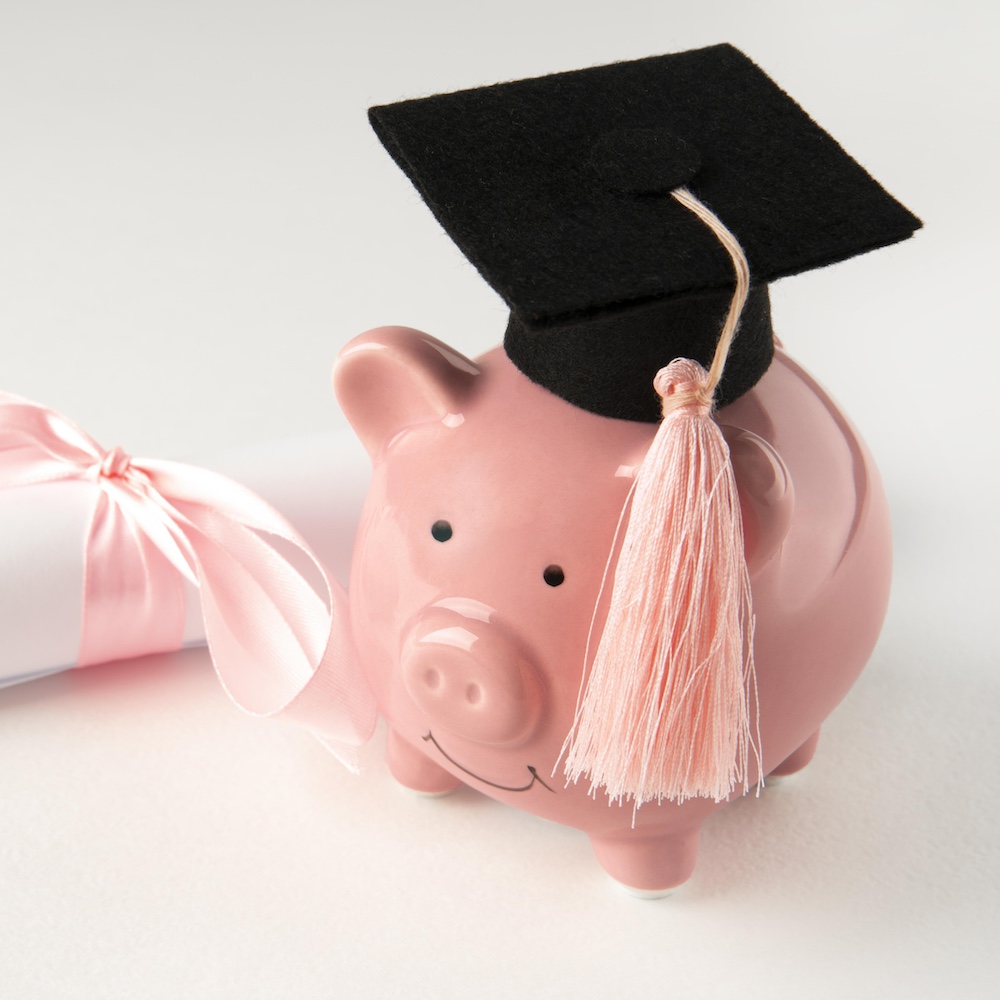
point(557, 190)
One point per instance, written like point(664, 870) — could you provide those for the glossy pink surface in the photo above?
point(476, 660)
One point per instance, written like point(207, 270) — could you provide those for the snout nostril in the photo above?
point(432, 678)
point(473, 694)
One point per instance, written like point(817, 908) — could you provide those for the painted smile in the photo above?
point(505, 788)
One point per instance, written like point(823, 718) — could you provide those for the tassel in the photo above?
point(669, 707)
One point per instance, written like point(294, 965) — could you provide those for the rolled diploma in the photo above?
point(318, 482)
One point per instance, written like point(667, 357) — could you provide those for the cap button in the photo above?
point(643, 161)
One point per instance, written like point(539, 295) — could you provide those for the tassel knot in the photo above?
point(683, 383)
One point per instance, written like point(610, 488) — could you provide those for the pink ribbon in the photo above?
point(277, 627)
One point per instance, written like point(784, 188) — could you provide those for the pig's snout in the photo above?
point(470, 676)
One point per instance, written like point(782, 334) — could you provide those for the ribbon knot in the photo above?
point(115, 464)
point(278, 635)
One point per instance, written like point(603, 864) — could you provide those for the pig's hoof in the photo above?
point(421, 793)
point(643, 893)
point(796, 761)
point(646, 865)
point(416, 772)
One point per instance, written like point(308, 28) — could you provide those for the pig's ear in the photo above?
point(392, 378)
point(766, 494)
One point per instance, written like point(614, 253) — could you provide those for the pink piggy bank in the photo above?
point(479, 563)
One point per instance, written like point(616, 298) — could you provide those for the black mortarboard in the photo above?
point(557, 190)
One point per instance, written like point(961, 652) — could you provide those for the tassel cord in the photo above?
point(742, 289)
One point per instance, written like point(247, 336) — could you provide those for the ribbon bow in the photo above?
point(276, 625)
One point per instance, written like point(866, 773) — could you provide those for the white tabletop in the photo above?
point(194, 217)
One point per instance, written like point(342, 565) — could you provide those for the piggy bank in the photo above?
point(479, 561)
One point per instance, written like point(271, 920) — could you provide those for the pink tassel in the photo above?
point(670, 705)
point(666, 713)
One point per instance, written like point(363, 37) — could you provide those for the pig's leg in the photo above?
point(415, 770)
point(797, 760)
point(648, 864)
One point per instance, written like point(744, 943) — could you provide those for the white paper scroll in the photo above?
point(317, 482)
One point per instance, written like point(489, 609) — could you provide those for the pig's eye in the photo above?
point(441, 531)
point(553, 575)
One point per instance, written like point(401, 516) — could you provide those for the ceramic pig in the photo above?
point(638, 466)
point(479, 563)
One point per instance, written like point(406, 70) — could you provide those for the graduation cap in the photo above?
point(631, 216)
point(558, 190)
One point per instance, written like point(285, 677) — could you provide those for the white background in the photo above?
point(194, 217)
